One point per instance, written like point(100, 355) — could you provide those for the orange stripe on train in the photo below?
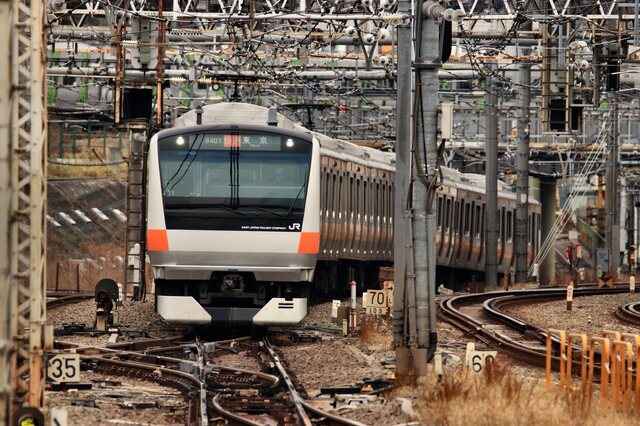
point(309, 243)
point(157, 240)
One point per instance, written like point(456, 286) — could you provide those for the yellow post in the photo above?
point(604, 368)
point(635, 339)
point(563, 356)
point(583, 358)
point(622, 375)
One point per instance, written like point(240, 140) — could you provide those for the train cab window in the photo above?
point(253, 171)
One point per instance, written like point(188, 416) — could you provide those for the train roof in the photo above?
point(241, 113)
point(234, 113)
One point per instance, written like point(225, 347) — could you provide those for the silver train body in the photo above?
point(246, 221)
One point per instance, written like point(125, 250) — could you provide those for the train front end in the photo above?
point(233, 223)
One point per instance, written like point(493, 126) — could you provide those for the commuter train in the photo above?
point(249, 215)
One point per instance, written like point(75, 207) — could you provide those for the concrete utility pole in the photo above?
point(522, 181)
point(428, 63)
point(492, 216)
point(416, 169)
point(403, 249)
point(5, 214)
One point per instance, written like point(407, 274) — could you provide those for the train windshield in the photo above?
point(245, 173)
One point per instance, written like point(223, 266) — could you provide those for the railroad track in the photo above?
point(214, 393)
point(57, 302)
point(482, 316)
point(629, 312)
point(284, 404)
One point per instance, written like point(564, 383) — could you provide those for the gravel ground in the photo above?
point(590, 315)
point(114, 404)
point(345, 361)
point(133, 316)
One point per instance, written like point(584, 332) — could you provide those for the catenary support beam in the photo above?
point(28, 201)
point(5, 214)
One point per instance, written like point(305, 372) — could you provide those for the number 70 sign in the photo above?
point(64, 368)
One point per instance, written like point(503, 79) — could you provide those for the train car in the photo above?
point(249, 215)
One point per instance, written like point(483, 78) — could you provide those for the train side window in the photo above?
point(467, 219)
point(323, 192)
point(531, 228)
point(439, 213)
point(340, 195)
point(447, 215)
point(456, 215)
point(365, 197)
point(376, 203)
point(509, 235)
point(390, 201)
point(383, 204)
point(478, 221)
point(350, 203)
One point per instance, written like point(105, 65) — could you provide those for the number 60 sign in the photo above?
point(477, 360)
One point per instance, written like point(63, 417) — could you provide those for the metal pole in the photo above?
point(522, 181)
point(5, 214)
point(492, 216)
point(160, 66)
point(612, 204)
point(402, 220)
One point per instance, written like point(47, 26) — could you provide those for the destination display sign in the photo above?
point(244, 142)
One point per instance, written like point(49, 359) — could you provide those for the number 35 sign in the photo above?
point(478, 360)
point(64, 368)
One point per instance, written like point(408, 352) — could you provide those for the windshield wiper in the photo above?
point(304, 184)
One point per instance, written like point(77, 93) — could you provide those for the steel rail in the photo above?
point(449, 311)
point(629, 312)
point(302, 407)
point(303, 418)
point(230, 415)
point(67, 300)
point(184, 382)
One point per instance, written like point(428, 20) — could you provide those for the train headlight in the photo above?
point(180, 140)
point(289, 143)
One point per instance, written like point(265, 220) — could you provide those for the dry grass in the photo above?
point(497, 397)
point(375, 332)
